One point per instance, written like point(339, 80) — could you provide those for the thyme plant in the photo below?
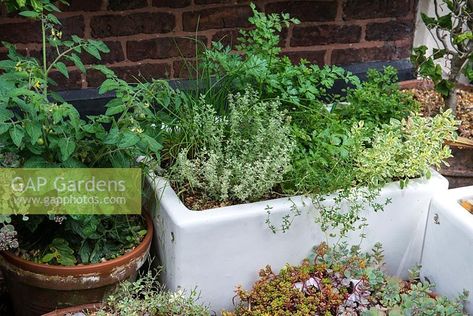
point(242, 156)
point(146, 296)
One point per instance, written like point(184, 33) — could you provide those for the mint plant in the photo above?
point(452, 29)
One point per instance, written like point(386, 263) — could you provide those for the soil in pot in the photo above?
point(36, 289)
point(80, 310)
point(460, 169)
point(432, 102)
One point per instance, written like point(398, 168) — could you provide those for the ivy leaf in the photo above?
point(444, 87)
point(67, 148)
point(428, 21)
point(438, 53)
point(445, 21)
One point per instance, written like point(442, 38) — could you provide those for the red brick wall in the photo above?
point(148, 37)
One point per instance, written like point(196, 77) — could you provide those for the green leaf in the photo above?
point(62, 69)
point(76, 39)
point(73, 163)
point(108, 85)
point(119, 160)
point(428, 21)
point(5, 114)
point(128, 139)
point(100, 46)
point(67, 148)
point(115, 110)
point(77, 62)
point(37, 5)
point(47, 258)
point(445, 22)
point(465, 36)
point(151, 142)
point(92, 50)
point(17, 134)
point(29, 14)
point(52, 18)
point(21, 3)
point(438, 53)
point(37, 162)
point(33, 129)
point(444, 87)
point(63, 253)
point(112, 137)
point(84, 253)
point(4, 127)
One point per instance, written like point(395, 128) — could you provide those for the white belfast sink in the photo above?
point(217, 249)
point(447, 256)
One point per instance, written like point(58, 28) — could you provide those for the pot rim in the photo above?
point(94, 268)
point(73, 309)
point(425, 84)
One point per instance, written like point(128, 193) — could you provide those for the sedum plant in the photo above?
point(241, 156)
point(341, 281)
point(452, 29)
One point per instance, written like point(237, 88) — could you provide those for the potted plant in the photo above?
point(342, 281)
point(145, 296)
point(259, 152)
point(57, 260)
point(451, 29)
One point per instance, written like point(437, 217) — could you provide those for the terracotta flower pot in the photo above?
point(460, 171)
point(74, 309)
point(36, 289)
